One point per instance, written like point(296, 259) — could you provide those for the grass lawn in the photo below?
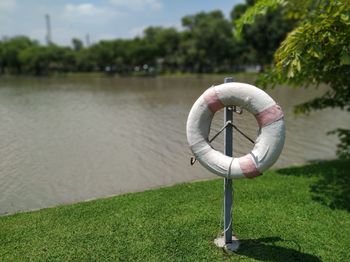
point(291, 214)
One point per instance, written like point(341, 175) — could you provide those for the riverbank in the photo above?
point(290, 214)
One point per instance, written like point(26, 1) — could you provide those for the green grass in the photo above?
point(292, 214)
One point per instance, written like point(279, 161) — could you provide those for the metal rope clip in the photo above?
point(194, 159)
point(237, 111)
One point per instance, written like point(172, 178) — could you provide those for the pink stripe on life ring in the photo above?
point(212, 100)
point(269, 115)
point(248, 167)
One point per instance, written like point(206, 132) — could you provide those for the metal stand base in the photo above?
point(233, 246)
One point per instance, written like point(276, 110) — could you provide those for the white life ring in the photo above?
point(268, 145)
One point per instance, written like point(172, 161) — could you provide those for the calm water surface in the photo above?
point(66, 139)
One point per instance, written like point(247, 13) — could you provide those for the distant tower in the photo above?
point(87, 39)
point(48, 29)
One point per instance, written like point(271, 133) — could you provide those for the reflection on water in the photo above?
point(72, 139)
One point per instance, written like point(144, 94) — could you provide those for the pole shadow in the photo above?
point(274, 249)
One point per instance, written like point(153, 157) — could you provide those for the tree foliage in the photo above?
point(316, 51)
point(265, 34)
point(206, 42)
point(10, 53)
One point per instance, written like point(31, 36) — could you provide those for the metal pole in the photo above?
point(48, 29)
point(228, 182)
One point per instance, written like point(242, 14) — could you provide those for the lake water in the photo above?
point(69, 139)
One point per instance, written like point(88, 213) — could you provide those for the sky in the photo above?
point(100, 19)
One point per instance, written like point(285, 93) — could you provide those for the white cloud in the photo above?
point(82, 9)
point(137, 5)
point(88, 10)
point(78, 20)
point(103, 36)
point(137, 31)
point(7, 5)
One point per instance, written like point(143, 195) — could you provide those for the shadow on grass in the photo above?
point(332, 187)
point(273, 249)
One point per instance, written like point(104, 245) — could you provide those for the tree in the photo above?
point(2, 62)
point(316, 51)
point(166, 42)
point(11, 49)
point(141, 52)
point(206, 43)
point(35, 59)
point(102, 54)
point(264, 36)
point(84, 60)
point(41, 60)
point(77, 44)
